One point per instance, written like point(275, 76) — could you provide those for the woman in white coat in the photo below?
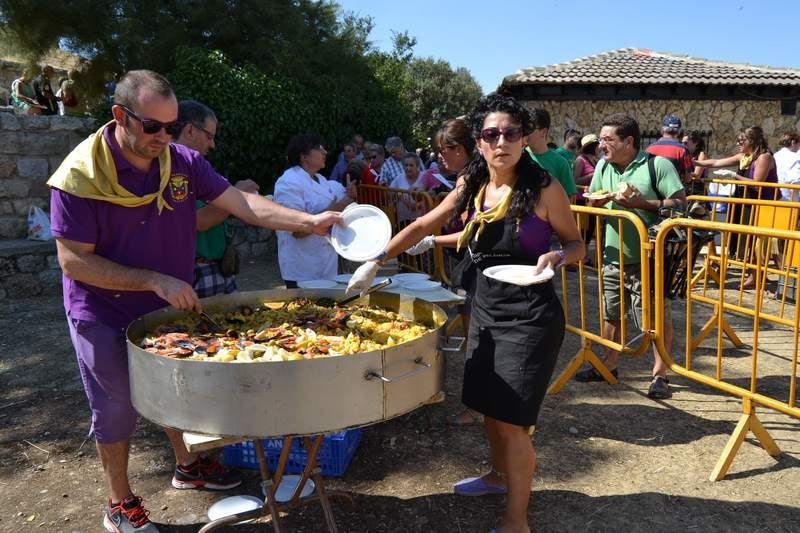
point(304, 256)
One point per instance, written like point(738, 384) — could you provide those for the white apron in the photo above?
point(310, 257)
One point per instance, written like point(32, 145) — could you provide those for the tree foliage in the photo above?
point(270, 69)
point(430, 88)
point(259, 113)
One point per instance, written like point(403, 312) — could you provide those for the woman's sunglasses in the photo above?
point(151, 127)
point(491, 135)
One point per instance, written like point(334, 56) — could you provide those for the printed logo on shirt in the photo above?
point(178, 187)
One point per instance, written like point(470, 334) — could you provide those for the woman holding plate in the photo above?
point(516, 330)
point(302, 187)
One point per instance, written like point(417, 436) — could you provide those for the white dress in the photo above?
point(310, 257)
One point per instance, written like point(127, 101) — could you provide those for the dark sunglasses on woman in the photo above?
point(512, 134)
point(151, 127)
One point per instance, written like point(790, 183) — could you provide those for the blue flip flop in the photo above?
point(476, 486)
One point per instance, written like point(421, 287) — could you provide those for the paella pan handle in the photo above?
point(371, 374)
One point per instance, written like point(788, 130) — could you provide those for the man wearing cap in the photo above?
point(123, 213)
point(670, 147)
point(549, 160)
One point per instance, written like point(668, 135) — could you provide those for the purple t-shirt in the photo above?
point(137, 237)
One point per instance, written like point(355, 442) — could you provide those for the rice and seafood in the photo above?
point(303, 328)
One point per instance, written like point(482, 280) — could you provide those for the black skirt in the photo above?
point(512, 350)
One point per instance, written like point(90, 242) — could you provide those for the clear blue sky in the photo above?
point(494, 38)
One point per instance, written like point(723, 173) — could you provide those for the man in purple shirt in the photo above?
point(123, 256)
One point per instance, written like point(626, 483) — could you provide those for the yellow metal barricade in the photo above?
point(403, 207)
point(744, 252)
point(773, 350)
point(577, 316)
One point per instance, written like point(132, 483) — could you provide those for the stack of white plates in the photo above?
point(317, 284)
point(405, 277)
point(421, 285)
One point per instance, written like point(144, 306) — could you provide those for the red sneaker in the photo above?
point(128, 516)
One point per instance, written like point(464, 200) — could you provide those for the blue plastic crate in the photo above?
point(334, 455)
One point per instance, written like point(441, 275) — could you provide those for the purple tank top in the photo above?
point(767, 193)
point(534, 236)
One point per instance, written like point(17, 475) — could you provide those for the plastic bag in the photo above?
point(38, 225)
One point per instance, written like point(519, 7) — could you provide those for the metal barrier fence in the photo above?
point(576, 318)
point(403, 207)
point(765, 225)
point(746, 252)
point(726, 370)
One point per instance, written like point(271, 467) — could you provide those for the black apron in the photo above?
point(515, 332)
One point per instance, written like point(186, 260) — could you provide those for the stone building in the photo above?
point(715, 97)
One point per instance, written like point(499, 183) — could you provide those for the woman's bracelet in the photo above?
point(562, 258)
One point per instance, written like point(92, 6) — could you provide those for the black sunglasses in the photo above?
point(151, 127)
point(512, 134)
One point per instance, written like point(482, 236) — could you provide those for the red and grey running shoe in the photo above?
point(128, 516)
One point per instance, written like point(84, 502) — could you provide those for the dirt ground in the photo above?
point(609, 459)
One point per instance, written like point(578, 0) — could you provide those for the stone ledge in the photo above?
point(15, 247)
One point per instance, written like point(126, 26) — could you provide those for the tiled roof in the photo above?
point(639, 66)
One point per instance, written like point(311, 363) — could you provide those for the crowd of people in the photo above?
point(143, 180)
point(44, 95)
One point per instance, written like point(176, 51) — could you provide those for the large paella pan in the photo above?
point(293, 397)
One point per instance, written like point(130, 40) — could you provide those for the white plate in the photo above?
point(595, 196)
point(518, 274)
point(421, 285)
point(363, 235)
point(233, 505)
point(410, 276)
point(343, 278)
point(287, 486)
point(317, 284)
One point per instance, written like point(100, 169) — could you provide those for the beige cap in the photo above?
point(588, 139)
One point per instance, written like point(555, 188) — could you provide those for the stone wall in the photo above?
point(28, 268)
point(723, 118)
point(31, 148)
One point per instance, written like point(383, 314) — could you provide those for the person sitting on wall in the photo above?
point(45, 94)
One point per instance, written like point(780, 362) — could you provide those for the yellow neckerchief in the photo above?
point(481, 218)
point(744, 161)
point(89, 172)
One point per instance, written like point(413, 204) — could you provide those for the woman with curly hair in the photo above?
point(516, 331)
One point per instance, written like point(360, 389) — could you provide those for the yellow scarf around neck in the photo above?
point(481, 218)
point(744, 162)
point(89, 172)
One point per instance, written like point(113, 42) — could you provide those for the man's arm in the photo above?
point(209, 216)
point(80, 263)
point(258, 211)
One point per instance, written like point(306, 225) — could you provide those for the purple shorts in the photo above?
point(103, 362)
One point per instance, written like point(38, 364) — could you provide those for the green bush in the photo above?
point(259, 113)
